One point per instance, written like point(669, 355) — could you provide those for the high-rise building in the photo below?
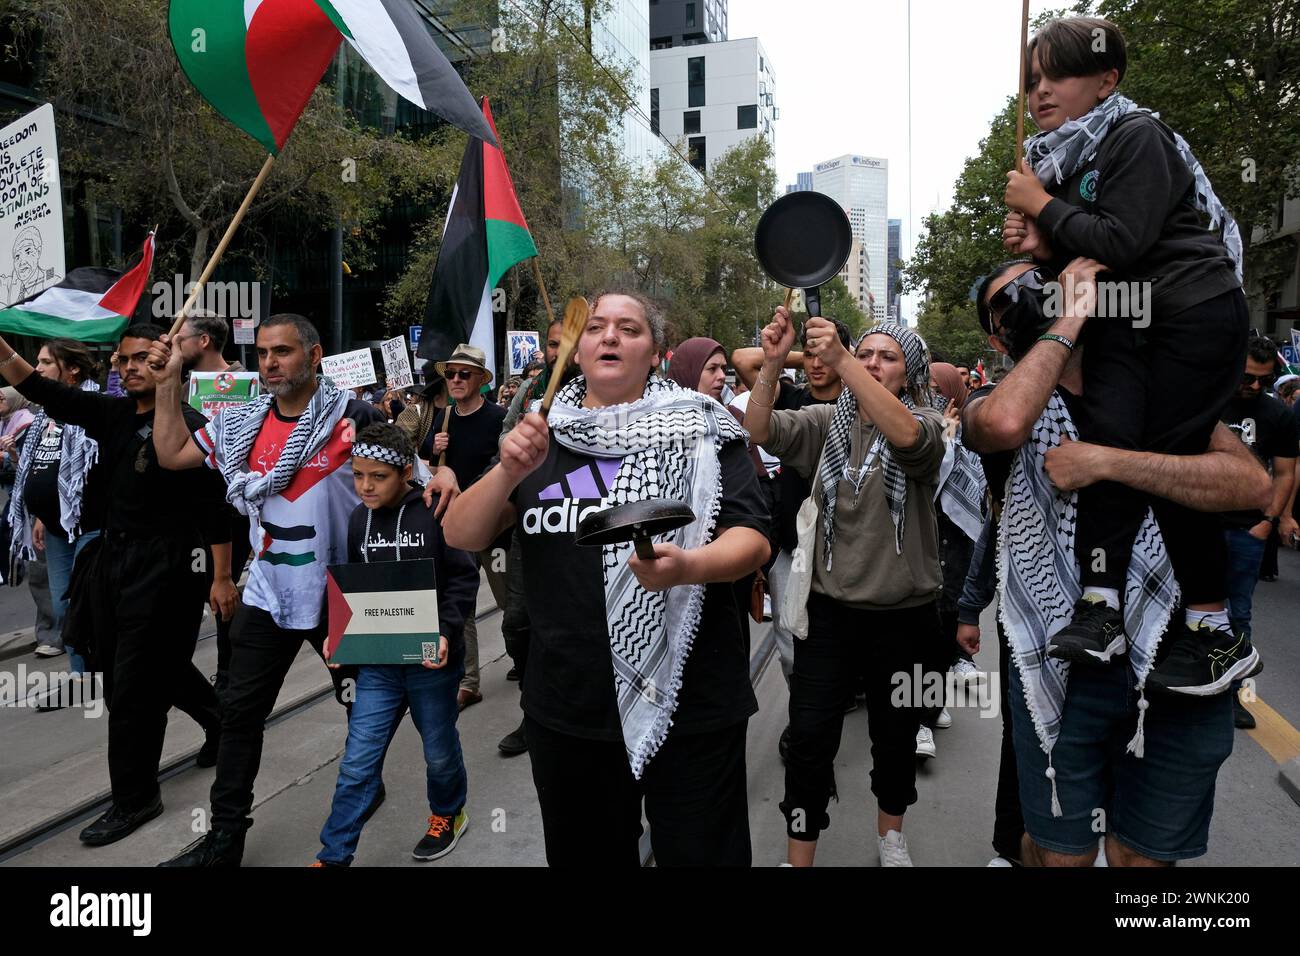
point(861, 185)
point(713, 96)
point(802, 184)
point(895, 253)
point(621, 36)
point(687, 22)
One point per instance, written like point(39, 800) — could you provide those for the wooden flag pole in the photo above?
point(541, 285)
point(221, 246)
point(1020, 103)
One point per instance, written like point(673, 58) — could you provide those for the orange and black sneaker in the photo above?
point(442, 836)
point(321, 864)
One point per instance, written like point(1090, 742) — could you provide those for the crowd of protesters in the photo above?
point(868, 498)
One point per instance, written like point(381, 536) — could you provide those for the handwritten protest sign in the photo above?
point(350, 369)
point(31, 208)
point(397, 365)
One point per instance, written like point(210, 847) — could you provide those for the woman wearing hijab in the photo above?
point(873, 460)
point(15, 416)
point(637, 685)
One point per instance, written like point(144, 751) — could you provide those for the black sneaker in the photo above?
point(1093, 636)
point(1242, 719)
point(783, 745)
point(442, 836)
point(217, 849)
point(1204, 661)
point(513, 744)
point(118, 823)
point(512, 674)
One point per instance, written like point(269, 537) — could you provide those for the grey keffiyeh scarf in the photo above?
point(1038, 584)
point(77, 455)
point(668, 441)
point(231, 434)
point(835, 454)
point(1058, 155)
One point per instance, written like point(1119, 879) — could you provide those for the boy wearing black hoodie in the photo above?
point(392, 523)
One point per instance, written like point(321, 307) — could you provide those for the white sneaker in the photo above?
point(945, 720)
point(48, 650)
point(1001, 861)
point(967, 672)
point(893, 849)
point(924, 742)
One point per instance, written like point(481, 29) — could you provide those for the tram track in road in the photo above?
point(90, 808)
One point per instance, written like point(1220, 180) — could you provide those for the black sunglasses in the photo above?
point(1035, 280)
point(463, 374)
point(1266, 379)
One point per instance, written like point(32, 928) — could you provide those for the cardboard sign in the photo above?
point(245, 331)
point(213, 392)
point(350, 369)
point(397, 367)
point(522, 347)
point(382, 613)
point(31, 208)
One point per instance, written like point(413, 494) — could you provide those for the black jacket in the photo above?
point(1133, 209)
point(420, 536)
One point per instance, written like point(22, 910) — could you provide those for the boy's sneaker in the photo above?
point(893, 850)
point(944, 720)
point(967, 672)
point(442, 836)
point(924, 742)
point(1093, 636)
point(1204, 661)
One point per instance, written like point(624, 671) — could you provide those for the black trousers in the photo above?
point(1158, 389)
point(944, 653)
point(1008, 824)
point(694, 790)
point(843, 645)
point(514, 616)
point(147, 601)
point(261, 654)
point(240, 549)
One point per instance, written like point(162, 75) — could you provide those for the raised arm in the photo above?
point(1002, 420)
point(778, 339)
point(894, 419)
point(748, 363)
point(1225, 477)
point(172, 439)
point(480, 513)
point(64, 403)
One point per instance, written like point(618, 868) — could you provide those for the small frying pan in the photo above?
point(802, 241)
point(637, 522)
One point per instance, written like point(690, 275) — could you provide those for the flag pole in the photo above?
point(541, 285)
point(225, 241)
point(1020, 103)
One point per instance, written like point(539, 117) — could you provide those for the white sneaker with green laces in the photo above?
point(893, 849)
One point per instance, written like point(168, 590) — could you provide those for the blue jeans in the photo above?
point(1159, 805)
point(1245, 552)
point(59, 558)
point(382, 693)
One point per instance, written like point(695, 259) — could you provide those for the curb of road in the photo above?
point(1288, 775)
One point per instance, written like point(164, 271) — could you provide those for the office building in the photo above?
point(861, 185)
point(895, 254)
point(687, 22)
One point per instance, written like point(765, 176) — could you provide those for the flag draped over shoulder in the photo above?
point(91, 304)
point(484, 236)
point(258, 61)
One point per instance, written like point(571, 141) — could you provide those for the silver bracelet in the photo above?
point(12, 355)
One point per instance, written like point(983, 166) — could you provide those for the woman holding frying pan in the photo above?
point(637, 684)
point(873, 461)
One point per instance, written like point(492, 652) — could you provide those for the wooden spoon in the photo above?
point(576, 314)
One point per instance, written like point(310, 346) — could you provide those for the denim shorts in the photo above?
point(1159, 805)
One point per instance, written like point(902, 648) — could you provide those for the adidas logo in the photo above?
point(557, 519)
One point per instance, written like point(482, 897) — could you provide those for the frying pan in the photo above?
point(636, 521)
point(802, 241)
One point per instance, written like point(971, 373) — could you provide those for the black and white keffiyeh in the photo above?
point(232, 433)
point(962, 489)
point(77, 455)
point(1038, 583)
point(379, 453)
point(668, 441)
point(1058, 155)
point(835, 454)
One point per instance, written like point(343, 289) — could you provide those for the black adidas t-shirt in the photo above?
point(568, 685)
point(1267, 428)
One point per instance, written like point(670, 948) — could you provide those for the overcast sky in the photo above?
point(841, 84)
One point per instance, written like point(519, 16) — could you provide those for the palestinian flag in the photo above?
point(484, 236)
point(258, 61)
point(91, 304)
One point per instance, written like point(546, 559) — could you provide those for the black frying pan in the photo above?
point(802, 241)
point(634, 522)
